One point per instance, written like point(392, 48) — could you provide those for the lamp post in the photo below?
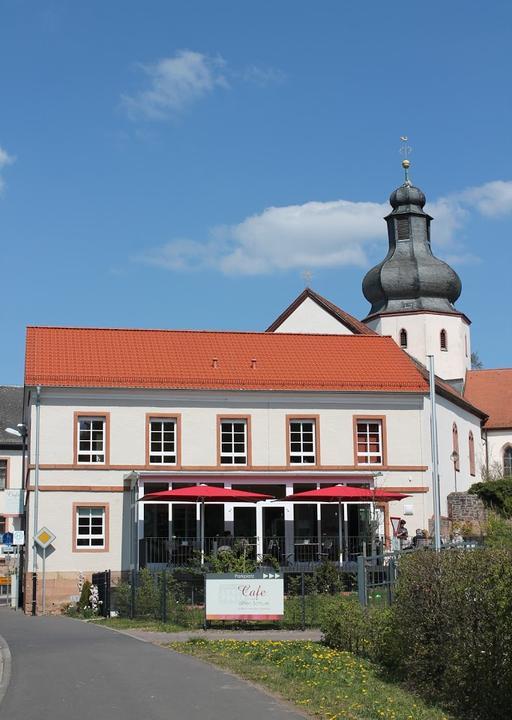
point(21, 431)
point(454, 457)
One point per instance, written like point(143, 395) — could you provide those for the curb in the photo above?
point(5, 667)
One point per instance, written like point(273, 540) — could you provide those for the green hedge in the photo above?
point(448, 634)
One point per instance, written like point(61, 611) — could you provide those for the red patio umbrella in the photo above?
point(344, 493)
point(204, 494)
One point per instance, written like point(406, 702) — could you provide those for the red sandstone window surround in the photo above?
point(455, 446)
point(370, 440)
point(90, 527)
point(471, 443)
point(91, 438)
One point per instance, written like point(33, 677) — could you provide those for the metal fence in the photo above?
point(300, 552)
point(177, 596)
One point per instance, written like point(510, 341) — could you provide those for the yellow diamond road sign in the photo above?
point(44, 537)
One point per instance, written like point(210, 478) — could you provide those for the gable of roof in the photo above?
point(445, 390)
point(11, 413)
point(492, 391)
point(350, 322)
point(178, 359)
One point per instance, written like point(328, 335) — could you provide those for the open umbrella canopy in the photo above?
point(205, 493)
point(345, 493)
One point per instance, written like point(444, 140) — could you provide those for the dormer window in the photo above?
point(403, 338)
point(443, 340)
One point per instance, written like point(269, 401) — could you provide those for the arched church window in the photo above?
point(471, 442)
point(403, 338)
point(466, 344)
point(455, 446)
point(507, 462)
point(443, 339)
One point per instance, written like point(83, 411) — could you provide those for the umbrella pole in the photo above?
point(202, 532)
point(340, 535)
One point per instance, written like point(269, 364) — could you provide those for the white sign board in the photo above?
point(254, 596)
point(13, 501)
point(18, 537)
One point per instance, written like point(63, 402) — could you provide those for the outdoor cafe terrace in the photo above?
point(189, 524)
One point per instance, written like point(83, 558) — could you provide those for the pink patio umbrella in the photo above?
point(204, 494)
point(345, 493)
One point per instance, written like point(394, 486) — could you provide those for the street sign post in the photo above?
point(19, 537)
point(44, 539)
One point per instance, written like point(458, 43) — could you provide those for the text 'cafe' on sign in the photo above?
point(245, 596)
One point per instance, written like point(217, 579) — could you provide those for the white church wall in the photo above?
point(497, 441)
point(423, 339)
point(309, 317)
point(447, 414)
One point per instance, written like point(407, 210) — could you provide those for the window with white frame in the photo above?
point(302, 442)
point(90, 527)
point(162, 441)
point(3, 474)
point(369, 442)
point(91, 440)
point(233, 442)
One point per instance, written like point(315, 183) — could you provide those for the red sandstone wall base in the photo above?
point(61, 590)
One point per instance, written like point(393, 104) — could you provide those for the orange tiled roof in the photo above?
point(81, 357)
point(492, 391)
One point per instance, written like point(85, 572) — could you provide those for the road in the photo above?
point(64, 669)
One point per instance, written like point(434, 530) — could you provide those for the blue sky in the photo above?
point(180, 164)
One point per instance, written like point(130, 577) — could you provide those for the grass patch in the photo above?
point(138, 624)
point(329, 684)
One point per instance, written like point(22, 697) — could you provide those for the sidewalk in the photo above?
point(163, 638)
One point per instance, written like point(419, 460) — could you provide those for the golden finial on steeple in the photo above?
point(405, 150)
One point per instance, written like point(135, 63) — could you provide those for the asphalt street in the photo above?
point(65, 669)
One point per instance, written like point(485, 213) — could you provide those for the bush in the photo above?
point(498, 532)
point(451, 630)
point(85, 597)
point(496, 494)
point(346, 625)
point(328, 579)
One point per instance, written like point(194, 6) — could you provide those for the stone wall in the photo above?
point(61, 590)
point(467, 513)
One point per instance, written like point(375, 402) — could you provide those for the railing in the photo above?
point(301, 551)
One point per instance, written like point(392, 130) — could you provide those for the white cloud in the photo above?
point(262, 76)
point(326, 234)
point(316, 234)
point(5, 159)
point(493, 199)
point(175, 83)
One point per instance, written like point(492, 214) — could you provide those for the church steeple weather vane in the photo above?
point(405, 150)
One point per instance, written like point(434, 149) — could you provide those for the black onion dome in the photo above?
point(410, 277)
point(407, 194)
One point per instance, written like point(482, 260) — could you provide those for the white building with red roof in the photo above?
point(320, 398)
point(492, 391)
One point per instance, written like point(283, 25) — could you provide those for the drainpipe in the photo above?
point(36, 501)
point(486, 453)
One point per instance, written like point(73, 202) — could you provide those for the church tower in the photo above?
point(412, 293)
